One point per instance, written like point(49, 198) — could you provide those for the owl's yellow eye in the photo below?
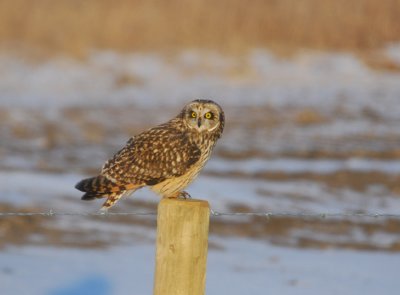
point(193, 114)
point(208, 115)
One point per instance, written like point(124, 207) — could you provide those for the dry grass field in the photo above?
point(73, 26)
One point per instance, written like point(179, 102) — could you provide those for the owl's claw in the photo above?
point(184, 195)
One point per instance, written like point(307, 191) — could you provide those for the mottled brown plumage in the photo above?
point(166, 158)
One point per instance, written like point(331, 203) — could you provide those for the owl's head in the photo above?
point(203, 115)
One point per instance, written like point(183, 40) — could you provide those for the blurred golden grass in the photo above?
point(74, 26)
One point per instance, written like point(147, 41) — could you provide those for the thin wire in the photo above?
point(308, 215)
point(52, 213)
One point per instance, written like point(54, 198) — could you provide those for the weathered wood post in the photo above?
point(182, 243)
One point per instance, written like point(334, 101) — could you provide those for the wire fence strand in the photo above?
point(52, 213)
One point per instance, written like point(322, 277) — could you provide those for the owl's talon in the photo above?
point(184, 195)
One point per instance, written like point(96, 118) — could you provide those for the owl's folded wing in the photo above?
point(151, 157)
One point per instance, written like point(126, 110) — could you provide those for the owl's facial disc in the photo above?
point(203, 117)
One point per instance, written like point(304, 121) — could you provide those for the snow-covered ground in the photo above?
point(243, 267)
point(317, 132)
point(322, 80)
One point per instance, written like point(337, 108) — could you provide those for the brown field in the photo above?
point(73, 26)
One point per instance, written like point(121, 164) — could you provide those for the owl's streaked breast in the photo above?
point(171, 186)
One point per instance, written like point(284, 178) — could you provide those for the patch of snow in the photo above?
point(295, 165)
point(250, 268)
point(321, 80)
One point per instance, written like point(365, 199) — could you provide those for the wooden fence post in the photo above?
point(182, 243)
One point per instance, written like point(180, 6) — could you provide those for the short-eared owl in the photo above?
point(166, 158)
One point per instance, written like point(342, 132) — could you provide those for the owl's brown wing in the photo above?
point(149, 158)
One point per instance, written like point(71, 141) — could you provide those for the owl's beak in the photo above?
point(199, 122)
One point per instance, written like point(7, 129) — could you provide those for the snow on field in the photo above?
point(56, 192)
point(243, 267)
point(322, 80)
point(293, 165)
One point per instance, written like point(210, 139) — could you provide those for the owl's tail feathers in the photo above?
point(101, 187)
point(95, 187)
